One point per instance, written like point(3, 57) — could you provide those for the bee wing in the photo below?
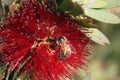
point(73, 50)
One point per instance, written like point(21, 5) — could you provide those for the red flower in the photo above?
point(47, 43)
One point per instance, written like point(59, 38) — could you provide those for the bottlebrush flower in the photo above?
point(47, 43)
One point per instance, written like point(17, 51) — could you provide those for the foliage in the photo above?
point(100, 10)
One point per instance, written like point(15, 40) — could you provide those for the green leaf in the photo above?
point(112, 3)
point(103, 16)
point(8, 2)
point(67, 5)
point(1, 11)
point(98, 4)
point(96, 36)
point(85, 23)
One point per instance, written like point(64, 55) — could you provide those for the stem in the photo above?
point(18, 70)
point(3, 7)
point(8, 74)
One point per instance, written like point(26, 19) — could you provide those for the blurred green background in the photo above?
point(105, 62)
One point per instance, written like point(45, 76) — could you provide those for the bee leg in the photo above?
point(62, 55)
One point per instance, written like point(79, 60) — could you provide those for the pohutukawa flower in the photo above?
point(46, 43)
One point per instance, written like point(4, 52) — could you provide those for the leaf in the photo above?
point(8, 2)
point(96, 36)
point(112, 3)
point(103, 16)
point(85, 23)
point(67, 5)
point(98, 4)
point(1, 13)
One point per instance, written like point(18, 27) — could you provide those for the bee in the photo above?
point(65, 47)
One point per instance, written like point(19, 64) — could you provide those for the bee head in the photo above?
point(60, 39)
